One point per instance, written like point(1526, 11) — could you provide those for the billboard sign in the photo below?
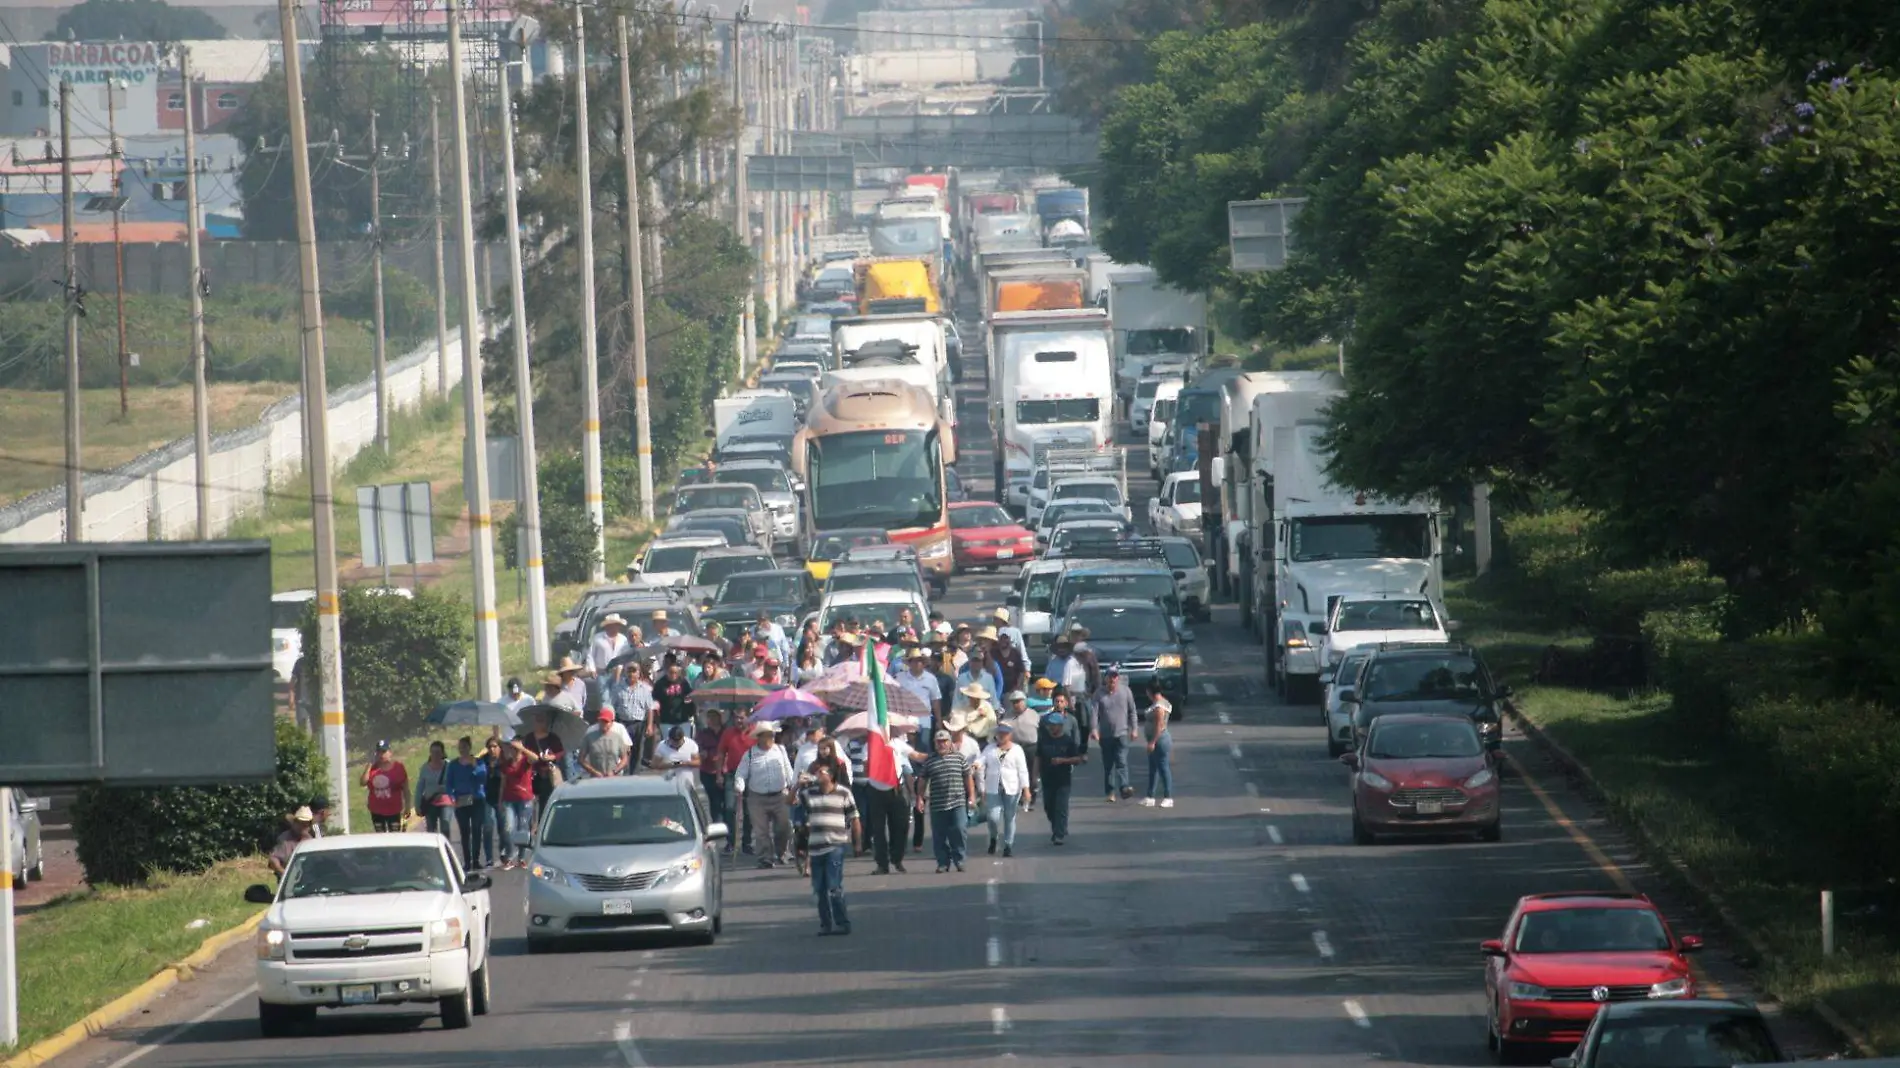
point(1260, 232)
point(396, 16)
point(103, 62)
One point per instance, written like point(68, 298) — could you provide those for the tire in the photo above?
point(37, 872)
point(458, 1009)
point(719, 922)
point(478, 990)
point(706, 937)
point(1333, 748)
point(279, 1021)
point(538, 946)
point(1360, 835)
point(1493, 833)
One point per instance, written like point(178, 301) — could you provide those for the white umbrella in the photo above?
point(861, 721)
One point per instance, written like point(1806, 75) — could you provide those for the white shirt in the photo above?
point(772, 766)
point(973, 755)
point(924, 686)
point(808, 755)
point(1005, 773)
point(604, 649)
point(668, 754)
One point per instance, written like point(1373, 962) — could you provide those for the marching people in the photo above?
point(1160, 748)
point(950, 792)
point(467, 783)
point(678, 750)
point(1005, 787)
point(833, 826)
point(711, 769)
point(550, 754)
point(605, 748)
point(630, 695)
point(765, 782)
point(1058, 754)
point(517, 805)
point(885, 808)
point(387, 783)
point(491, 799)
point(1024, 723)
point(432, 793)
point(303, 827)
point(1117, 722)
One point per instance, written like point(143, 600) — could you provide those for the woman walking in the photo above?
point(1005, 787)
point(466, 782)
point(432, 794)
point(1160, 746)
point(517, 805)
point(491, 798)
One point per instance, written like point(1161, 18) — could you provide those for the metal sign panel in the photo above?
point(791, 174)
point(1260, 232)
point(137, 664)
point(816, 143)
point(397, 527)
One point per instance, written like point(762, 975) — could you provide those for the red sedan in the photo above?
point(1423, 774)
point(1564, 955)
point(983, 535)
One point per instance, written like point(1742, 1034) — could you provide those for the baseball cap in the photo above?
point(606, 715)
point(1015, 695)
point(943, 736)
point(1113, 669)
point(382, 746)
point(1004, 728)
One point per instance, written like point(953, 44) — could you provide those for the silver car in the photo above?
point(626, 855)
point(1338, 717)
point(28, 860)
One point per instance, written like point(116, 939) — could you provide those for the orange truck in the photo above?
point(894, 284)
point(1038, 296)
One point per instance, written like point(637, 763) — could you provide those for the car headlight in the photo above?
point(684, 868)
point(1375, 780)
point(1482, 778)
point(445, 934)
point(935, 551)
point(1168, 660)
point(1671, 988)
point(1528, 992)
point(270, 943)
point(549, 873)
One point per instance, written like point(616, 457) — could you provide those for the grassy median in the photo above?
point(1708, 799)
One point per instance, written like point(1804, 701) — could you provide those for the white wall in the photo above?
point(154, 498)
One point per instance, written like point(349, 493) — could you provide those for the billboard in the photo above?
point(103, 62)
point(411, 16)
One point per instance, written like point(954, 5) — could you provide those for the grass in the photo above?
point(35, 451)
point(1705, 800)
point(91, 946)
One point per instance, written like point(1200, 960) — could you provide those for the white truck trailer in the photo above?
point(1153, 322)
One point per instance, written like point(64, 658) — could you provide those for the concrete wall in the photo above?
point(154, 497)
point(153, 268)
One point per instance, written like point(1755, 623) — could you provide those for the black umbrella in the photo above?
point(473, 714)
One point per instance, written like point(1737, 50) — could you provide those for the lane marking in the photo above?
point(1320, 943)
point(1252, 790)
point(1709, 985)
point(629, 1049)
point(993, 951)
point(1358, 1013)
point(1235, 750)
point(989, 893)
point(1208, 689)
point(1300, 884)
point(1274, 833)
point(176, 1032)
point(1222, 715)
point(999, 1020)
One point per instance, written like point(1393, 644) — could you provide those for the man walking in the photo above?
point(833, 824)
point(950, 783)
point(1024, 723)
point(605, 748)
point(764, 780)
point(1005, 787)
point(1117, 723)
point(1058, 754)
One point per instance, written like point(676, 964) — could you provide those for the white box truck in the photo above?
point(1153, 322)
point(1053, 386)
point(755, 414)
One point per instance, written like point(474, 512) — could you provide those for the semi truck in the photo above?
point(893, 284)
point(754, 413)
point(1153, 322)
point(1053, 386)
point(1252, 406)
point(908, 347)
point(1062, 204)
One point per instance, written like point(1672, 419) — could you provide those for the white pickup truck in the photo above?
point(372, 920)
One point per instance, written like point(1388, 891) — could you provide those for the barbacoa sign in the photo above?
point(83, 63)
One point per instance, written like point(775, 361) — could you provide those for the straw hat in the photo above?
point(764, 727)
point(613, 619)
point(553, 679)
point(987, 634)
point(1001, 615)
point(974, 692)
point(982, 720)
point(303, 815)
point(659, 615)
point(568, 667)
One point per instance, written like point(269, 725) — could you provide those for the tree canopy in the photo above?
point(134, 20)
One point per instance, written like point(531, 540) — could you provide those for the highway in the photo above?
point(1241, 927)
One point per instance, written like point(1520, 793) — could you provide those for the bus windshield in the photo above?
point(877, 478)
point(1071, 410)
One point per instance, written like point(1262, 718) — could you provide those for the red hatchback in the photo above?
point(1564, 955)
point(983, 535)
point(1423, 774)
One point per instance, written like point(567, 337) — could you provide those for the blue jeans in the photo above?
point(1055, 802)
point(1158, 770)
point(827, 885)
point(1114, 764)
point(1002, 816)
point(490, 821)
point(517, 829)
point(949, 833)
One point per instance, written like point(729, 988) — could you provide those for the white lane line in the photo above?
point(1252, 790)
point(1208, 689)
point(993, 952)
point(989, 893)
point(999, 1020)
point(1320, 943)
point(1300, 884)
point(1274, 833)
point(173, 1034)
point(1358, 1013)
point(1222, 715)
point(629, 1049)
point(1235, 750)
point(1195, 659)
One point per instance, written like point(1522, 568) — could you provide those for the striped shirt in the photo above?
point(948, 775)
point(829, 817)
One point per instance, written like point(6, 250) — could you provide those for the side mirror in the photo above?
point(1317, 628)
point(1326, 677)
point(1690, 943)
point(716, 832)
point(1348, 696)
point(1351, 760)
point(634, 568)
point(259, 894)
point(1506, 692)
point(1013, 600)
point(476, 881)
point(1452, 624)
point(29, 804)
point(1492, 947)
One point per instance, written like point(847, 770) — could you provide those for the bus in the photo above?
point(872, 453)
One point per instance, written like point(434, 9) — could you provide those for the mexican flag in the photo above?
point(880, 765)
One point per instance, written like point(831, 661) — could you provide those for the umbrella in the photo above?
point(856, 693)
point(473, 714)
point(563, 721)
point(684, 643)
point(791, 703)
point(732, 690)
point(861, 721)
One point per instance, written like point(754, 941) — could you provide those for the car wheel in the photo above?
point(719, 922)
point(19, 882)
point(478, 988)
point(1360, 835)
point(458, 1009)
point(36, 872)
point(1492, 833)
point(1333, 748)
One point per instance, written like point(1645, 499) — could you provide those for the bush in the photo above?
point(1618, 601)
point(1833, 762)
point(125, 834)
point(563, 481)
point(569, 542)
point(1553, 560)
point(401, 658)
point(1710, 680)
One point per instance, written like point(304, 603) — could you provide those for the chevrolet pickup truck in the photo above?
point(372, 920)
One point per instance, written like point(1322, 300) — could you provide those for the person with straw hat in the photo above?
point(1008, 631)
point(303, 827)
point(765, 782)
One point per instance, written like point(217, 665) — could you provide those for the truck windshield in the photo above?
point(1164, 410)
point(1161, 342)
point(876, 478)
point(1121, 624)
point(1069, 410)
point(1200, 406)
point(665, 559)
point(764, 479)
point(370, 870)
point(1362, 537)
point(711, 572)
point(1157, 586)
point(578, 823)
point(715, 495)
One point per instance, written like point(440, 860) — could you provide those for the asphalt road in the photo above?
point(1241, 927)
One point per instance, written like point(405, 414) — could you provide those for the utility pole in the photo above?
point(636, 290)
point(528, 517)
point(200, 400)
point(741, 199)
point(118, 239)
point(378, 353)
point(482, 250)
point(768, 139)
point(75, 475)
point(441, 268)
point(590, 324)
point(474, 409)
point(316, 407)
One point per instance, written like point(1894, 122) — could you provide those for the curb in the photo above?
point(1706, 896)
point(118, 1009)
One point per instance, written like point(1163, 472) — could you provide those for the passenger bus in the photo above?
point(872, 454)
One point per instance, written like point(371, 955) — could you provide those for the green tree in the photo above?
point(134, 20)
point(402, 656)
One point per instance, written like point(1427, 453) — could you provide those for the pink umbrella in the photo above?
point(861, 721)
point(790, 703)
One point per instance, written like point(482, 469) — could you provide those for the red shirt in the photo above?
point(388, 789)
point(517, 780)
point(732, 748)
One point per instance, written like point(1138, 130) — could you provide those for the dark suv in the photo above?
point(1142, 637)
point(1442, 678)
point(1692, 1034)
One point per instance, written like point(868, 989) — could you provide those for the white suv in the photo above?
point(1366, 620)
point(372, 920)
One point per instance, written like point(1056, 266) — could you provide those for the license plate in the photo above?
point(1431, 808)
point(364, 994)
point(616, 906)
point(1006, 554)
